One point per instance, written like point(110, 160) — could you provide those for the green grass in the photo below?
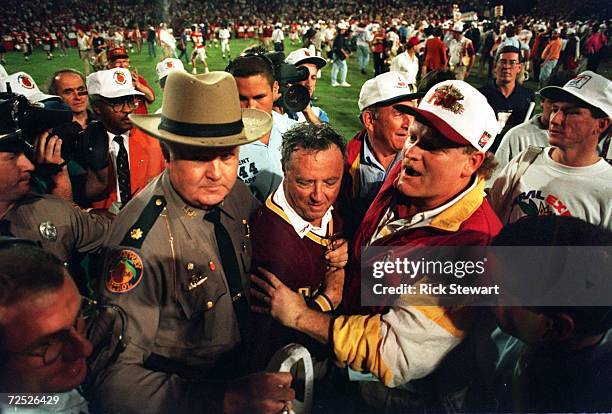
point(339, 103)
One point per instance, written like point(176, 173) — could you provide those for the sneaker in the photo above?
point(334, 84)
point(206, 70)
point(345, 84)
point(194, 71)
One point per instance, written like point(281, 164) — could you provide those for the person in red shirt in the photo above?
point(435, 53)
point(119, 58)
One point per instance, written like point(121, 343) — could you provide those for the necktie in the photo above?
point(231, 270)
point(123, 171)
point(5, 228)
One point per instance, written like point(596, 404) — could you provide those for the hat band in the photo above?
point(201, 130)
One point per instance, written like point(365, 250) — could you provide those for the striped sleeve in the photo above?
point(406, 343)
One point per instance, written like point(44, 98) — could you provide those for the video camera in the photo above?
point(294, 97)
point(22, 121)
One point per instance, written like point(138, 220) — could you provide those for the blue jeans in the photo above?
point(151, 46)
point(363, 56)
point(546, 71)
point(339, 66)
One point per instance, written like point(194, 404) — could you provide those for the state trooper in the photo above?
point(177, 260)
point(59, 226)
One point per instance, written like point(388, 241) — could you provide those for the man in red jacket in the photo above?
point(435, 197)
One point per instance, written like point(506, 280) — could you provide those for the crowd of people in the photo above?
point(156, 262)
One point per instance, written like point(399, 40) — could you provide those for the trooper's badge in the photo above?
point(125, 271)
point(48, 230)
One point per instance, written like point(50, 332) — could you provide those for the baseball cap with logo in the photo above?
point(304, 55)
point(117, 53)
point(167, 65)
point(588, 87)
point(386, 89)
point(111, 83)
point(459, 112)
point(23, 84)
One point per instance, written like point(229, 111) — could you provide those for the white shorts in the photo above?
point(200, 53)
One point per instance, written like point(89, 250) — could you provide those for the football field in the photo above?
point(340, 103)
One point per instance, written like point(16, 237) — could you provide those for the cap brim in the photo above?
point(430, 119)
point(557, 93)
point(256, 124)
point(391, 101)
point(119, 94)
point(315, 60)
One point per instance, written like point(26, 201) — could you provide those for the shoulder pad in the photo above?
point(137, 234)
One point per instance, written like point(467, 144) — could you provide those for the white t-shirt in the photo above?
point(409, 66)
point(548, 187)
point(519, 138)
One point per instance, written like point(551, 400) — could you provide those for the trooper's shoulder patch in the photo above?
point(125, 271)
point(137, 233)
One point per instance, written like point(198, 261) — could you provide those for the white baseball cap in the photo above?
point(588, 87)
point(459, 112)
point(111, 83)
point(166, 66)
point(386, 89)
point(23, 84)
point(304, 55)
point(458, 27)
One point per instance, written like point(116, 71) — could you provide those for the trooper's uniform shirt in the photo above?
point(61, 228)
point(162, 266)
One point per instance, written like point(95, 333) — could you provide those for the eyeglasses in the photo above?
point(52, 349)
point(118, 106)
point(504, 62)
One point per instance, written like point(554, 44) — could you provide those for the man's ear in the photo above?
point(473, 163)
point(603, 124)
point(560, 327)
point(96, 108)
point(367, 119)
point(275, 89)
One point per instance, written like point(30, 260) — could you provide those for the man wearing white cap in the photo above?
point(136, 157)
point(374, 150)
point(461, 53)
point(434, 198)
point(567, 178)
point(177, 259)
point(166, 66)
point(305, 58)
point(23, 84)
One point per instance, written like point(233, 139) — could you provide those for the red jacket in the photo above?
point(146, 163)
point(435, 54)
point(469, 222)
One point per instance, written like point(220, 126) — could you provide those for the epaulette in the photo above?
point(137, 234)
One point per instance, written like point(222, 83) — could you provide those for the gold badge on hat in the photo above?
point(48, 230)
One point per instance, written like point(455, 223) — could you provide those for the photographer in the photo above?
point(306, 59)
point(58, 225)
point(88, 184)
point(75, 172)
point(260, 161)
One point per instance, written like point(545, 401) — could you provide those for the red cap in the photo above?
point(413, 41)
point(117, 53)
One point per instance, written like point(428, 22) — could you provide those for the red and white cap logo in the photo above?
point(26, 82)
point(119, 78)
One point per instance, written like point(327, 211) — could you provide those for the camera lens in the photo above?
point(296, 98)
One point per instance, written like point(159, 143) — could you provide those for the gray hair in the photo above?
point(310, 137)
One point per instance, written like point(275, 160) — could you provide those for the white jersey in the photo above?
point(260, 164)
point(224, 34)
point(548, 187)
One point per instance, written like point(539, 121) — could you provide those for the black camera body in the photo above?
point(22, 121)
point(294, 97)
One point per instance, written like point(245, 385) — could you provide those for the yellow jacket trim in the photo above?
point(452, 218)
point(357, 343)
